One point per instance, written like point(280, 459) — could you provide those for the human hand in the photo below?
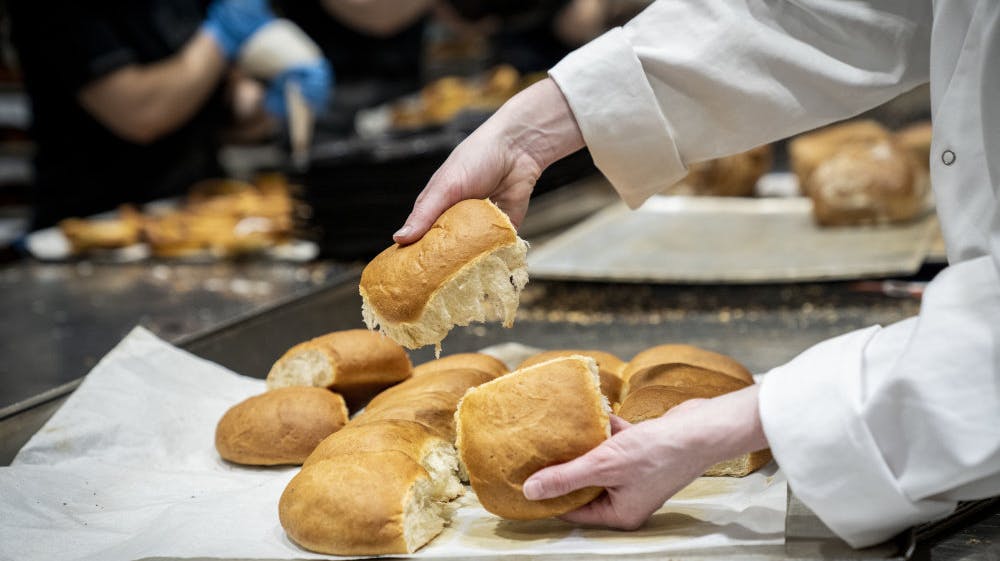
point(232, 22)
point(315, 81)
point(643, 465)
point(501, 160)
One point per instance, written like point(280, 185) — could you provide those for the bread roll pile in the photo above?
point(469, 267)
point(665, 376)
point(860, 173)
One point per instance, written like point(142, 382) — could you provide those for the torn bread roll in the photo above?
point(687, 354)
point(475, 361)
point(609, 367)
point(414, 439)
point(651, 402)
point(530, 419)
point(470, 266)
point(355, 363)
point(278, 427)
point(363, 504)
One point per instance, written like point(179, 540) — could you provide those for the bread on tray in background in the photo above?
point(89, 234)
point(729, 176)
point(470, 266)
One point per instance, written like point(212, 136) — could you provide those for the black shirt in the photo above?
point(81, 166)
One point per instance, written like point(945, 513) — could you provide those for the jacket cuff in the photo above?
point(614, 105)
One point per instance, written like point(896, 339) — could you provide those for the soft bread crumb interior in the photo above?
point(306, 368)
point(424, 514)
point(486, 289)
point(441, 462)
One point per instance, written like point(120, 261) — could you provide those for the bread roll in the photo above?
point(686, 354)
point(103, 233)
point(432, 452)
point(434, 409)
point(807, 151)
point(469, 267)
point(869, 184)
point(363, 504)
point(730, 176)
point(651, 402)
point(355, 363)
point(515, 425)
point(282, 426)
point(916, 139)
point(455, 381)
point(682, 376)
point(475, 361)
point(608, 365)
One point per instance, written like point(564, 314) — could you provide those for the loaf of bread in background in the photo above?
point(372, 503)
point(281, 426)
point(729, 176)
point(651, 402)
point(355, 363)
point(469, 267)
point(867, 184)
point(430, 399)
point(529, 419)
point(809, 150)
point(684, 376)
point(916, 139)
point(686, 354)
point(432, 452)
point(609, 368)
point(475, 361)
point(116, 232)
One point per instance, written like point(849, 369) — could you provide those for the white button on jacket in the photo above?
point(887, 426)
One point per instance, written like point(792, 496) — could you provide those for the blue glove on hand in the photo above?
point(315, 82)
point(232, 22)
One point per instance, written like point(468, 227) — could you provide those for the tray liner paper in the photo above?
point(127, 468)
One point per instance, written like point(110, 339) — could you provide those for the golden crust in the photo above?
point(281, 426)
point(109, 233)
point(330, 507)
point(399, 282)
point(476, 361)
point(916, 139)
point(455, 381)
point(729, 176)
point(409, 437)
point(807, 151)
point(527, 420)
point(609, 366)
point(687, 354)
point(683, 376)
point(434, 409)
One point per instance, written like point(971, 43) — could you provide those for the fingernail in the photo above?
point(532, 490)
point(403, 232)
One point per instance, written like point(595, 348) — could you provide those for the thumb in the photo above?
point(558, 480)
point(430, 204)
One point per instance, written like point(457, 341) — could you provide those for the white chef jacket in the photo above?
point(884, 427)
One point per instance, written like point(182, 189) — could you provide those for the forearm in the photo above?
point(378, 17)
point(143, 103)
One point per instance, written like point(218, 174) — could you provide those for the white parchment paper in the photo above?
point(127, 468)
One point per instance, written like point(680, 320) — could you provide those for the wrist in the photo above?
point(538, 122)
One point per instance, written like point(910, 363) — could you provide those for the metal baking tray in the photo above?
point(731, 240)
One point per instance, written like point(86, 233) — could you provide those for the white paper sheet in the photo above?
point(127, 468)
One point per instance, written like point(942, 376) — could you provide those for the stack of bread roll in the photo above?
point(859, 172)
point(665, 376)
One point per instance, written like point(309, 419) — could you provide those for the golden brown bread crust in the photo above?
point(651, 402)
point(687, 354)
point(527, 420)
point(281, 426)
point(730, 176)
point(434, 409)
point(330, 507)
point(109, 233)
point(683, 376)
point(475, 361)
point(399, 282)
point(361, 363)
point(609, 366)
point(409, 437)
point(809, 150)
point(867, 184)
point(455, 381)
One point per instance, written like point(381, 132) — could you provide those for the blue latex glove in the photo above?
point(315, 81)
point(232, 22)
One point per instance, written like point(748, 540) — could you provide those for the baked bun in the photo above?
point(470, 266)
point(686, 354)
point(282, 426)
point(651, 402)
point(536, 417)
point(916, 139)
point(363, 504)
point(455, 381)
point(355, 363)
point(730, 176)
point(475, 361)
point(682, 376)
point(809, 150)
point(609, 367)
point(432, 452)
point(103, 233)
point(867, 184)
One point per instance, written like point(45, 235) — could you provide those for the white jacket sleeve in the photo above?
point(691, 80)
